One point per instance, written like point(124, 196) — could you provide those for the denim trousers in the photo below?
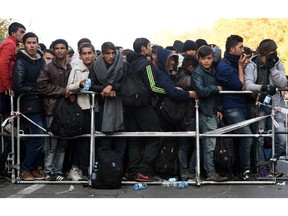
point(187, 151)
point(233, 116)
point(208, 123)
point(266, 124)
point(54, 152)
point(35, 144)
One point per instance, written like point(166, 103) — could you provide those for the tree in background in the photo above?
point(253, 30)
point(4, 23)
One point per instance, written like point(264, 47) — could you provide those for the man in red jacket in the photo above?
point(8, 51)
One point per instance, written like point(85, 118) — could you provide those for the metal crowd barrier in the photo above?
point(93, 134)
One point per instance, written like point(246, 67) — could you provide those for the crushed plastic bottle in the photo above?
point(140, 186)
point(183, 184)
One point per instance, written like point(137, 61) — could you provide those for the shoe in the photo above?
point(38, 174)
point(74, 174)
point(184, 176)
point(191, 176)
point(50, 177)
point(83, 177)
point(276, 174)
point(26, 175)
point(144, 178)
point(247, 176)
point(59, 177)
point(216, 177)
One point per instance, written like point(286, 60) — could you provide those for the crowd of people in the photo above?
point(184, 72)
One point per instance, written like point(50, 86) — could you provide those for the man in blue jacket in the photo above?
point(230, 75)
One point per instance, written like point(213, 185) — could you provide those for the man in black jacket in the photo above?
point(27, 67)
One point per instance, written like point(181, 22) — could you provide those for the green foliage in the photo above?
point(4, 23)
point(253, 30)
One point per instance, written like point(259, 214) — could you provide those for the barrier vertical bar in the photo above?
point(92, 137)
point(197, 176)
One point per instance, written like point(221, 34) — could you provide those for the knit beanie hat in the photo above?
point(200, 42)
point(189, 45)
point(178, 45)
point(266, 46)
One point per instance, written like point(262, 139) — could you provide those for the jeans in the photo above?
point(35, 144)
point(207, 123)
point(55, 152)
point(266, 124)
point(187, 151)
point(245, 143)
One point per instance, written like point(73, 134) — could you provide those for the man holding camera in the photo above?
point(264, 74)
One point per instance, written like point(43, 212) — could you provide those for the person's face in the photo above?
point(238, 49)
point(60, 51)
point(87, 55)
point(109, 56)
point(206, 61)
point(19, 35)
point(247, 60)
point(191, 52)
point(172, 63)
point(48, 57)
point(31, 46)
point(147, 51)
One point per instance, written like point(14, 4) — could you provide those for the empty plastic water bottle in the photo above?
point(183, 184)
point(140, 186)
point(87, 84)
point(94, 173)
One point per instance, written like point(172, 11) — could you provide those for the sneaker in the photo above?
point(276, 174)
point(184, 176)
point(50, 177)
point(38, 174)
point(144, 178)
point(216, 177)
point(83, 177)
point(247, 176)
point(191, 176)
point(26, 175)
point(59, 177)
point(74, 174)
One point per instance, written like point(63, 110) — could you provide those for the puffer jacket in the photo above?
point(25, 73)
point(52, 83)
point(8, 52)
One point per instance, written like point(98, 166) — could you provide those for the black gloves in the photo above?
point(272, 59)
point(269, 89)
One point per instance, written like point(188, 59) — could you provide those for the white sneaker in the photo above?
point(74, 174)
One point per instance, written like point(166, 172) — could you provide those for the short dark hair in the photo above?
point(60, 41)
point(13, 27)
point(82, 41)
point(204, 51)
point(138, 43)
point(49, 51)
point(86, 46)
point(232, 41)
point(29, 35)
point(107, 45)
point(189, 60)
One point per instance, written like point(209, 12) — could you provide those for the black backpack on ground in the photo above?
point(166, 163)
point(133, 90)
point(68, 118)
point(224, 154)
point(110, 170)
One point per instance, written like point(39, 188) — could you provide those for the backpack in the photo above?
point(133, 90)
point(110, 170)
point(68, 119)
point(166, 163)
point(224, 154)
point(172, 111)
